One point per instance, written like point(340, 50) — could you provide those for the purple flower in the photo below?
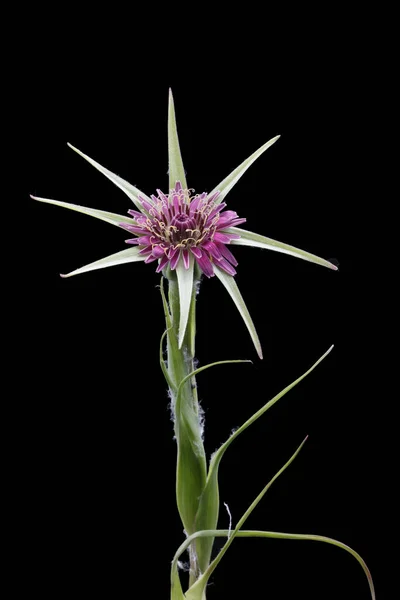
point(180, 230)
point(172, 227)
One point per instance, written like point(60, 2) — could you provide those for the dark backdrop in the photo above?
point(95, 447)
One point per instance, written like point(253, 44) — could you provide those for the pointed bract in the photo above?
point(230, 285)
point(103, 215)
point(175, 164)
point(185, 284)
point(130, 190)
point(119, 258)
point(227, 184)
point(248, 238)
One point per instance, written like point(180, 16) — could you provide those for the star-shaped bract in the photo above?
point(179, 230)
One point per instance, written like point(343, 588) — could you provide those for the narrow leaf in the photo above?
point(230, 285)
point(207, 515)
point(249, 238)
point(185, 284)
point(130, 190)
point(108, 217)
point(273, 535)
point(120, 258)
point(227, 184)
point(195, 591)
point(176, 170)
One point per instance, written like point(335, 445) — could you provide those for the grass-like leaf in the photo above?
point(207, 516)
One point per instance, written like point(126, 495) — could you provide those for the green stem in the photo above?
point(191, 460)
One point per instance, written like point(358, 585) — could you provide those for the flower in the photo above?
point(179, 224)
point(179, 230)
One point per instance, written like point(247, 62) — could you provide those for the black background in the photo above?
point(95, 448)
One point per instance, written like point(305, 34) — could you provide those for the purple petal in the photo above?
point(196, 252)
point(212, 249)
point(133, 228)
point(224, 238)
point(185, 256)
point(135, 213)
point(223, 264)
point(146, 250)
point(158, 251)
point(178, 186)
point(147, 206)
point(226, 253)
point(205, 264)
point(150, 259)
point(213, 196)
point(164, 260)
point(174, 258)
point(132, 241)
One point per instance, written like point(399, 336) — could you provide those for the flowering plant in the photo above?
point(187, 236)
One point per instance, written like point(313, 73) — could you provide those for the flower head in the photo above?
point(179, 230)
point(174, 226)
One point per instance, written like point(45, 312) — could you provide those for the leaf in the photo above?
point(249, 238)
point(191, 463)
point(230, 285)
point(130, 190)
point(274, 535)
point(227, 184)
point(120, 258)
point(176, 169)
point(108, 217)
point(207, 515)
point(197, 589)
point(185, 284)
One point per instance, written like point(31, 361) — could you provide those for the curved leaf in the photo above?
point(185, 285)
point(207, 515)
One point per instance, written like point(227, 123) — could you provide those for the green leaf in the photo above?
point(249, 238)
point(230, 285)
point(207, 515)
point(108, 217)
point(196, 591)
point(227, 184)
point(191, 464)
point(273, 535)
point(120, 258)
point(130, 190)
point(185, 284)
point(176, 170)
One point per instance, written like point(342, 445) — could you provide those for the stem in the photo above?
point(191, 461)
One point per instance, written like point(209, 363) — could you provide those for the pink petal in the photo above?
point(196, 252)
point(158, 251)
point(185, 256)
point(175, 258)
point(212, 249)
point(226, 253)
point(205, 265)
point(223, 264)
point(162, 264)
